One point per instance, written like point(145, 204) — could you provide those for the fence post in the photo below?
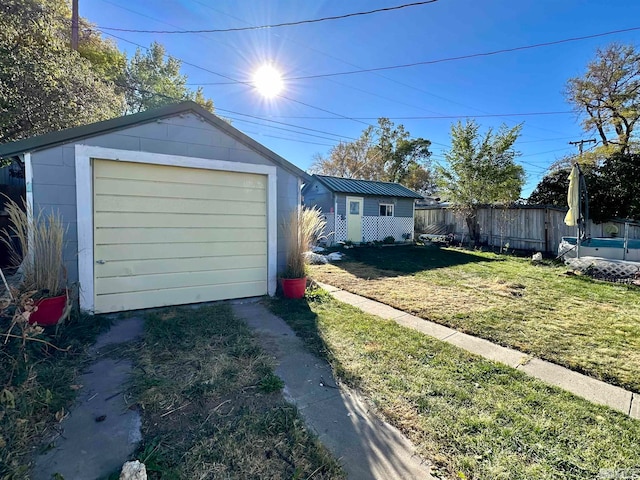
point(546, 230)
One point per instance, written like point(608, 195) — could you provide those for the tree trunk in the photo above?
point(472, 226)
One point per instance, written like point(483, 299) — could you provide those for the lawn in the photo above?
point(212, 406)
point(586, 325)
point(474, 418)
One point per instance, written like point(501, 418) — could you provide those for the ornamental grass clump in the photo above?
point(36, 244)
point(304, 228)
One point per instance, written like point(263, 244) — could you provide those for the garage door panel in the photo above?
point(187, 220)
point(116, 186)
point(172, 235)
point(124, 236)
point(185, 176)
point(178, 265)
point(138, 300)
point(167, 250)
point(108, 203)
point(167, 281)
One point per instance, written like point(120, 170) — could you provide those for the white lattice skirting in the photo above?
point(376, 228)
point(329, 230)
point(605, 267)
point(341, 229)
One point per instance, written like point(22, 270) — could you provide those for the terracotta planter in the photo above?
point(49, 310)
point(293, 287)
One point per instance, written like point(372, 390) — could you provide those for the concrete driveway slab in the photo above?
point(101, 432)
point(367, 447)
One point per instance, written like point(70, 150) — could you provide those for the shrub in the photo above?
point(389, 240)
point(305, 226)
point(36, 243)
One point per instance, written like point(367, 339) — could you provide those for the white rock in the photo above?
point(318, 249)
point(133, 471)
point(335, 256)
point(537, 257)
point(315, 258)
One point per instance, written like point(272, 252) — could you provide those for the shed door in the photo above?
point(354, 218)
point(167, 235)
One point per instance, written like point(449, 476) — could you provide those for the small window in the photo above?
point(386, 210)
point(354, 208)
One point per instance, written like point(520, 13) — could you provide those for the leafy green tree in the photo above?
point(384, 153)
point(153, 79)
point(607, 97)
point(613, 188)
point(480, 170)
point(552, 189)
point(44, 86)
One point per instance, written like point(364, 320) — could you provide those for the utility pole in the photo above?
point(583, 197)
point(74, 25)
point(579, 143)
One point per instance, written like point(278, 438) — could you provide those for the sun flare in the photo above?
point(268, 81)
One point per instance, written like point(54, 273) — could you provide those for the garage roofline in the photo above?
point(48, 140)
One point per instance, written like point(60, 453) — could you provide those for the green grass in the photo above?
point(474, 418)
point(36, 391)
point(586, 325)
point(212, 406)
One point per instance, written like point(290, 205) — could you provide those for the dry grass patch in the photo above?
point(584, 324)
point(212, 406)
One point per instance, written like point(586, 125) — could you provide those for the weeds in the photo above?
point(37, 374)
point(211, 403)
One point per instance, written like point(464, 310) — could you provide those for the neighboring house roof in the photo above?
point(47, 140)
point(366, 187)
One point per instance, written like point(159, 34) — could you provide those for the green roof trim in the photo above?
point(366, 187)
point(53, 139)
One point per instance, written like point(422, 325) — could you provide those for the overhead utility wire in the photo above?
point(452, 59)
point(276, 25)
point(434, 117)
point(176, 99)
point(339, 115)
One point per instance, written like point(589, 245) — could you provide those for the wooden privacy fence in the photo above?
point(534, 228)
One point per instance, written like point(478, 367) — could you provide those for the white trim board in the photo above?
point(84, 202)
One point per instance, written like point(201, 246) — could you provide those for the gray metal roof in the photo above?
point(47, 140)
point(366, 187)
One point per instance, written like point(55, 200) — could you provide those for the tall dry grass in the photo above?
point(36, 243)
point(304, 228)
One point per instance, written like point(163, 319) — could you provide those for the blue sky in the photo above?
point(317, 113)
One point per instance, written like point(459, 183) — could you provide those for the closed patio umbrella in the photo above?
point(573, 198)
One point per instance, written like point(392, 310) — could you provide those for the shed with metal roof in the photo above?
point(361, 211)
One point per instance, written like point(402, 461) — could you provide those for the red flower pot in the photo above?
point(294, 287)
point(49, 310)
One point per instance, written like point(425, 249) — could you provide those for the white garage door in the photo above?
point(167, 235)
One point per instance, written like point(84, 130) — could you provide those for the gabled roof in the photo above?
point(366, 187)
point(52, 139)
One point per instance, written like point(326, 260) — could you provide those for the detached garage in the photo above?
point(165, 207)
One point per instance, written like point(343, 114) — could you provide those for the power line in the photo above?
point(238, 81)
point(246, 83)
point(434, 117)
point(283, 129)
point(461, 57)
point(276, 25)
point(266, 119)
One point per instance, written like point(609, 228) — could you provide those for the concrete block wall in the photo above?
point(53, 183)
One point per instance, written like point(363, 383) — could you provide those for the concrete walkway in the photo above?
point(366, 447)
point(583, 386)
point(100, 433)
